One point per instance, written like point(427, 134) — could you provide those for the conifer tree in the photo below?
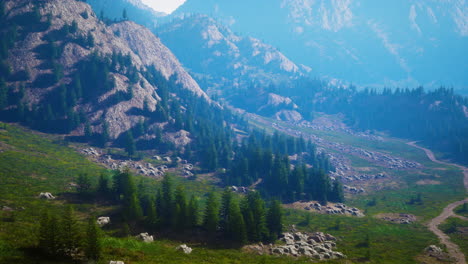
point(275, 220)
point(180, 209)
point(131, 205)
point(257, 207)
point(235, 225)
point(192, 212)
point(84, 184)
point(93, 240)
point(211, 218)
point(103, 184)
point(226, 200)
point(70, 238)
point(129, 143)
point(167, 200)
point(152, 220)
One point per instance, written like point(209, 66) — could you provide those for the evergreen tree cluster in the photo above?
point(65, 237)
point(254, 160)
point(231, 218)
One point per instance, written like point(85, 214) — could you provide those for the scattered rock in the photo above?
point(103, 220)
point(46, 195)
point(316, 246)
point(7, 209)
point(145, 237)
point(184, 248)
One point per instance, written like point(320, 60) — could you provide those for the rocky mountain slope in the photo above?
point(212, 51)
point(70, 35)
point(396, 43)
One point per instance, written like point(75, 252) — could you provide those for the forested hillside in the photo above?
point(438, 118)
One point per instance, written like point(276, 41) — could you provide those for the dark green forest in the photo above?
point(438, 118)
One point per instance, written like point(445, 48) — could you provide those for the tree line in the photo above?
point(225, 216)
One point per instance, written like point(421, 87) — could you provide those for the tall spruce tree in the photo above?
point(235, 225)
point(180, 209)
point(70, 238)
point(211, 217)
point(275, 220)
point(193, 214)
point(131, 205)
point(93, 247)
point(167, 199)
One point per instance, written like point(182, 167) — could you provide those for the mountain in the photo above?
point(135, 10)
point(67, 71)
point(394, 43)
point(213, 52)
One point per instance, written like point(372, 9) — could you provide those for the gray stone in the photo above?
point(184, 248)
point(46, 195)
point(103, 220)
point(145, 237)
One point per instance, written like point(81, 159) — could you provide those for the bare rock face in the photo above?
point(154, 54)
point(127, 38)
point(180, 138)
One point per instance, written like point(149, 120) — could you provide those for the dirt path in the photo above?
point(452, 248)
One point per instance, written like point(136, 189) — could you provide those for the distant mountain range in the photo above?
point(223, 60)
point(376, 43)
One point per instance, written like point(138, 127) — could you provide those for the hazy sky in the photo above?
point(166, 6)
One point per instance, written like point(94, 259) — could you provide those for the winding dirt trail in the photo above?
point(452, 248)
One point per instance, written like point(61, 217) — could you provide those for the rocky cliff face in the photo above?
point(91, 37)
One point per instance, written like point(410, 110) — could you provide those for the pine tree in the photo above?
point(337, 194)
point(103, 184)
point(192, 212)
point(211, 218)
point(131, 205)
point(84, 184)
point(93, 240)
point(235, 227)
point(152, 220)
point(49, 236)
point(180, 209)
point(226, 200)
point(275, 220)
point(129, 143)
point(167, 200)
point(124, 14)
point(45, 231)
point(69, 233)
point(257, 207)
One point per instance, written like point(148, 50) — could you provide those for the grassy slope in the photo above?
point(460, 238)
point(41, 164)
point(31, 163)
